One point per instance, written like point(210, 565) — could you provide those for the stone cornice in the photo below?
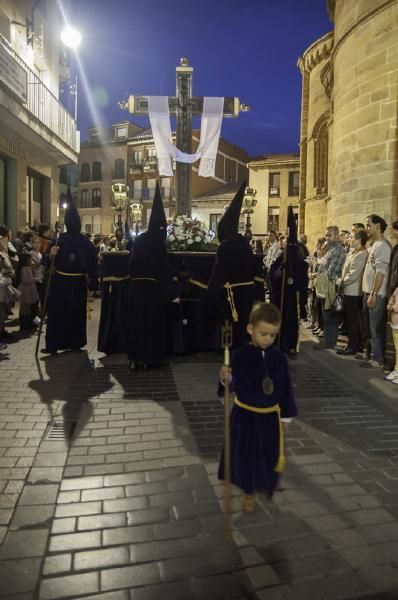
point(281, 163)
point(316, 53)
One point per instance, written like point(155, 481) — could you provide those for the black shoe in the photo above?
point(292, 354)
point(47, 351)
point(345, 352)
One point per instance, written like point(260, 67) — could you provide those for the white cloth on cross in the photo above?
point(159, 116)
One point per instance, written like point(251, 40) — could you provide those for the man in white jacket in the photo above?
point(374, 285)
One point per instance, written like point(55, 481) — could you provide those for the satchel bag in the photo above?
point(338, 302)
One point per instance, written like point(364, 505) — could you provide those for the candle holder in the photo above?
point(249, 201)
point(120, 192)
point(136, 215)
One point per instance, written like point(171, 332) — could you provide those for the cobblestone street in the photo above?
point(108, 486)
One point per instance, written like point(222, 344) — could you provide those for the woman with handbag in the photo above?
point(351, 286)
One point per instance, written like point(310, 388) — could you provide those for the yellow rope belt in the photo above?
point(259, 279)
point(280, 465)
point(198, 283)
point(144, 279)
point(114, 278)
point(71, 274)
point(230, 296)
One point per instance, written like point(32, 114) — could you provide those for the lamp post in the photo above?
point(136, 214)
point(250, 202)
point(119, 191)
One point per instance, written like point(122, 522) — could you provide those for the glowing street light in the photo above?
point(71, 37)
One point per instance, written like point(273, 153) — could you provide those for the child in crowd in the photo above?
point(29, 294)
point(37, 268)
point(259, 378)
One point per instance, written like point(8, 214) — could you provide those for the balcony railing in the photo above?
point(135, 165)
point(274, 191)
point(118, 174)
point(44, 105)
point(150, 164)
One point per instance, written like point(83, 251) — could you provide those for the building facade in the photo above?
point(275, 177)
point(126, 153)
point(37, 133)
point(349, 133)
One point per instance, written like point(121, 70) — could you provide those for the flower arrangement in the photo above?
point(189, 234)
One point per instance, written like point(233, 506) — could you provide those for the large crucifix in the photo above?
point(184, 106)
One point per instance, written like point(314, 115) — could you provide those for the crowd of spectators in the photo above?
point(361, 267)
point(24, 271)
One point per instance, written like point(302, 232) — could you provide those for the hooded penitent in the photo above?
point(157, 220)
point(72, 217)
point(291, 251)
point(229, 223)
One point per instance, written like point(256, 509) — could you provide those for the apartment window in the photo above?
point(97, 175)
point(121, 132)
point(321, 141)
point(85, 172)
point(151, 153)
point(63, 175)
point(151, 185)
point(96, 198)
point(97, 223)
point(85, 200)
point(137, 157)
point(119, 169)
point(273, 219)
point(87, 223)
point(165, 187)
point(294, 177)
point(213, 221)
point(137, 189)
point(274, 184)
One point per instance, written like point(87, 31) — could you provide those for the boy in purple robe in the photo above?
point(263, 404)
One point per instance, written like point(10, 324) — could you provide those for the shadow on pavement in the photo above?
point(68, 377)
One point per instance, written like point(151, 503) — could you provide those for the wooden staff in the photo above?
point(298, 321)
point(44, 308)
point(283, 290)
point(226, 334)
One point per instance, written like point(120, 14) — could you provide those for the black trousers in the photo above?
point(352, 316)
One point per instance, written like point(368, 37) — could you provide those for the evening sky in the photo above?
point(245, 48)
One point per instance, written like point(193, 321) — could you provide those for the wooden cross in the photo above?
point(184, 106)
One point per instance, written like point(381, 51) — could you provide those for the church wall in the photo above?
point(365, 140)
point(316, 106)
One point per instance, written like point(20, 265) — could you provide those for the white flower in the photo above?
point(198, 239)
point(190, 241)
point(172, 238)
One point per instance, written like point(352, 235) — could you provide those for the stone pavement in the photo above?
point(108, 486)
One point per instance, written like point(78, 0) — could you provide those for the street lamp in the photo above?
point(136, 214)
point(250, 202)
point(120, 191)
point(71, 37)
